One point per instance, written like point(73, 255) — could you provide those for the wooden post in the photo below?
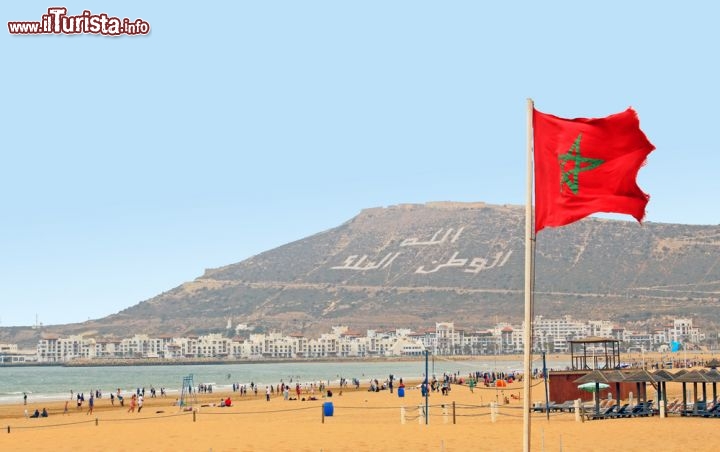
point(453, 412)
point(323, 414)
point(578, 410)
point(96, 422)
point(194, 413)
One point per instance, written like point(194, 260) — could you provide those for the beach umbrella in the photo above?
point(596, 378)
point(592, 387)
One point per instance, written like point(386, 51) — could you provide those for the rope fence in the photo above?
point(95, 421)
point(445, 413)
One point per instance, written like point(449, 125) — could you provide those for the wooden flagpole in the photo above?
point(529, 238)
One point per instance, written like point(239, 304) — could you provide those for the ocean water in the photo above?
point(55, 383)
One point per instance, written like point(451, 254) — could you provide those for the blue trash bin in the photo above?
point(401, 392)
point(328, 408)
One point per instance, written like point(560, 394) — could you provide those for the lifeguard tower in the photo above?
point(187, 394)
point(593, 353)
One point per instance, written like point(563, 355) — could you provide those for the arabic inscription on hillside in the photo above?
point(472, 265)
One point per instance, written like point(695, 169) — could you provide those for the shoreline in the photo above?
point(630, 358)
point(120, 362)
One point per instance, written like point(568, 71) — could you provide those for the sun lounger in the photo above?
point(540, 408)
point(568, 405)
point(714, 411)
point(674, 407)
point(669, 407)
point(556, 406)
point(705, 413)
point(604, 414)
point(695, 409)
point(643, 409)
point(623, 411)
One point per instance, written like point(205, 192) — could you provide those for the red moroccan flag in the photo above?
point(584, 166)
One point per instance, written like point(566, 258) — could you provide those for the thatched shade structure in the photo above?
point(693, 377)
point(713, 363)
point(714, 376)
point(662, 377)
point(641, 378)
point(617, 377)
point(597, 377)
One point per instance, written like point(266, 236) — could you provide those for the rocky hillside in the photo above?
point(413, 265)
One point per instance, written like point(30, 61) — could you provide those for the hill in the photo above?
point(411, 265)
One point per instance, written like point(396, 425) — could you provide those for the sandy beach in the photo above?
point(361, 421)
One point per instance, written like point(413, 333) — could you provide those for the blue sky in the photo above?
point(130, 164)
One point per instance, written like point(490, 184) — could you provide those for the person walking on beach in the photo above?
point(267, 393)
point(24, 398)
point(133, 402)
point(91, 404)
point(140, 402)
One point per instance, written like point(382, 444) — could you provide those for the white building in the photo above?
point(52, 348)
point(445, 339)
point(682, 331)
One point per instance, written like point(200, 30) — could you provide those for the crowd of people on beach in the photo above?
point(292, 391)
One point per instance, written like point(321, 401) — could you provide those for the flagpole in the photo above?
point(527, 346)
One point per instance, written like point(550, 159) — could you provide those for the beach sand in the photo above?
point(361, 421)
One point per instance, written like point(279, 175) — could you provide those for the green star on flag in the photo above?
point(571, 164)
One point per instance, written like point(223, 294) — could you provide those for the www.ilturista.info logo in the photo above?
point(57, 22)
